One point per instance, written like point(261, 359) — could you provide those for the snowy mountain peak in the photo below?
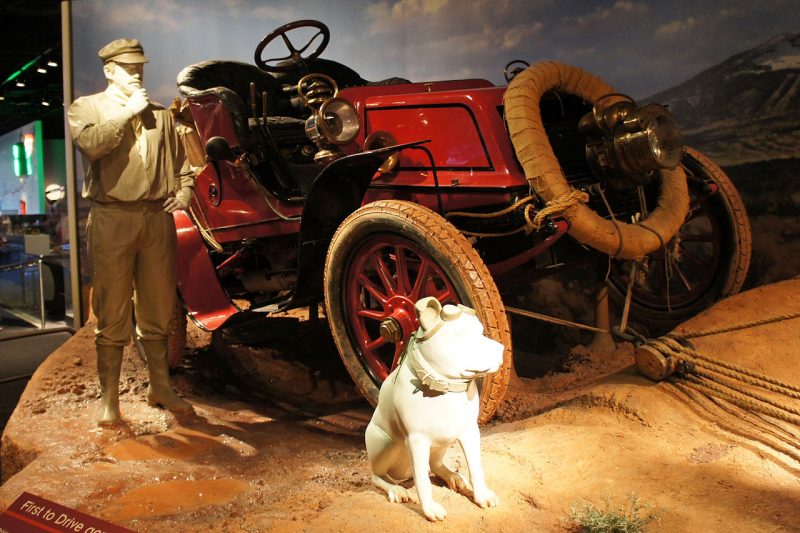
point(779, 53)
point(746, 108)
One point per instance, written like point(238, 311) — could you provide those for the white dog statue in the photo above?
point(430, 401)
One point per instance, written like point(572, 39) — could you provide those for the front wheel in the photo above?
point(706, 261)
point(385, 257)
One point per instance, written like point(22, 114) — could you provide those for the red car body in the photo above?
point(263, 217)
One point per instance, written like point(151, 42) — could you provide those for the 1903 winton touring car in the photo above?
point(317, 185)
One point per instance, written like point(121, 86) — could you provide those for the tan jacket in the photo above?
point(103, 131)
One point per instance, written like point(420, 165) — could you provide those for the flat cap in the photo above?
point(123, 51)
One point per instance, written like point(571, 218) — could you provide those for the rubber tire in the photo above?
point(736, 248)
point(451, 252)
point(175, 342)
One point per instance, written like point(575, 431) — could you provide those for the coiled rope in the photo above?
point(726, 380)
point(745, 325)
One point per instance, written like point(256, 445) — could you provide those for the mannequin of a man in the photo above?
point(136, 174)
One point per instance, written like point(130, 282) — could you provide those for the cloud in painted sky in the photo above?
point(676, 28)
point(166, 15)
point(621, 40)
point(514, 36)
point(611, 14)
point(385, 15)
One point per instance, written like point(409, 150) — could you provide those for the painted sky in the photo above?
point(640, 47)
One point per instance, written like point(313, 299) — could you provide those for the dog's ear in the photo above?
point(468, 310)
point(428, 311)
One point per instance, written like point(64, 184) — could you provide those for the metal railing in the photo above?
point(39, 263)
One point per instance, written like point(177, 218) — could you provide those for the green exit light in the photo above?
point(22, 159)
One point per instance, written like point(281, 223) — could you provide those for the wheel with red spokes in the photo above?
point(382, 259)
point(706, 261)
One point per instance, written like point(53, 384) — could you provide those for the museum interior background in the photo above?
point(732, 66)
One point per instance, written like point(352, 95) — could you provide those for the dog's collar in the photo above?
point(429, 377)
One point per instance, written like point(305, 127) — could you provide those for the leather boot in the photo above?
point(109, 362)
point(159, 392)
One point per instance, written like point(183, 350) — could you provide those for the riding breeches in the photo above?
point(132, 257)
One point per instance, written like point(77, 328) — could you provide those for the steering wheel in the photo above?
point(295, 54)
point(509, 73)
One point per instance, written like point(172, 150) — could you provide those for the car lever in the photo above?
point(253, 99)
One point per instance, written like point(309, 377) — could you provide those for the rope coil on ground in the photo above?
point(711, 377)
point(738, 399)
point(670, 347)
point(762, 430)
point(658, 358)
point(725, 329)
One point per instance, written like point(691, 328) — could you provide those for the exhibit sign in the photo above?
point(32, 514)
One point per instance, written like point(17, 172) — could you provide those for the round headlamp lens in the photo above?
point(666, 141)
point(339, 123)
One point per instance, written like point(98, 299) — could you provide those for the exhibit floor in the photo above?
point(250, 462)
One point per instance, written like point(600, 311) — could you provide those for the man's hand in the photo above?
point(180, 201)
point(138, 101)
point(174, 203)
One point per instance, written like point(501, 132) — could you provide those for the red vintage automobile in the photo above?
point(319, 186)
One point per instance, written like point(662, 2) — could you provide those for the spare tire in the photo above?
point(543, 171)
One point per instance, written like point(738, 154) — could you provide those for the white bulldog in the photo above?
point(430, 401)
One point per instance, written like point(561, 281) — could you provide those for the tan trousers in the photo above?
point(132, 247)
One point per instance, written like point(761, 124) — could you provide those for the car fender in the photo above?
point(336, 192)
point(198, 285)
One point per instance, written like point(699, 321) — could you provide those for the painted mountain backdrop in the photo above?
point(747, 108)
point(745, 114)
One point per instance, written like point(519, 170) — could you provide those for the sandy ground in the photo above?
point(286, 452)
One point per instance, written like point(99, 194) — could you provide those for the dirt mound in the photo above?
point(595, 429)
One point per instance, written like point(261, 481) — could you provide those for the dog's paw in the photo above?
point(398, 494)
point(433, 511)
point(486, 498)
point(456, 482)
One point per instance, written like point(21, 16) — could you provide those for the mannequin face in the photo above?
point(126, 76)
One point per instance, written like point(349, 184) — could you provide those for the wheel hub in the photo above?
point(401, 321)
point(390, 330)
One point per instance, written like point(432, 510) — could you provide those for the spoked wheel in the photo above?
point(382, 259)
point(706, 261)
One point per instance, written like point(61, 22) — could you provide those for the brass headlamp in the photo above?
point(333, 120)
point(627, 144)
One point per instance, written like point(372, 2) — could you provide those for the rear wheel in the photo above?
point(385, 257)
point(706, 261)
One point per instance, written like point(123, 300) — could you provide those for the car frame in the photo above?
point(371, 197)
